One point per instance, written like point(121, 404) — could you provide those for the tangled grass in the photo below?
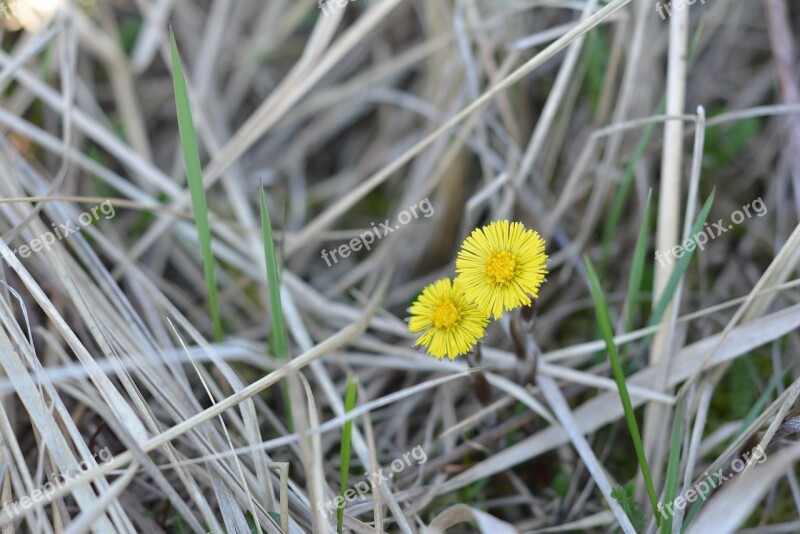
point(240, 376)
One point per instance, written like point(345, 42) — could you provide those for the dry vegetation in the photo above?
point(562, 115)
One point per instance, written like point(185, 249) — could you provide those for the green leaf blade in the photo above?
point(671, 487)
point(604, 322)
point(273, 282)
point(194, 177)
point(344, 454)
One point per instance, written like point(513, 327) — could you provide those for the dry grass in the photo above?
point(545, 112)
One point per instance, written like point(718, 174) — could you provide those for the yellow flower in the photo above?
point(450, 323)
point(501, 266)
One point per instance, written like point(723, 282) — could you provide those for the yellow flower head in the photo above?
point(450, 323)
point(501, 266)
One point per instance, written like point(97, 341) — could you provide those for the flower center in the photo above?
point(445, 315)
point(500, 267)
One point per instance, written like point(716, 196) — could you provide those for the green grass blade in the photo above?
point(637, 266)
point(680, 268)
point(273, 282)
point(672, 283)
point(696, 37)
point(604, 322)
point(194, 177)
point(349, 403)
point(278, 338)
point(673, 466)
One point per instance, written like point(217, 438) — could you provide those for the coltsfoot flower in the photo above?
point(450, 323)
point(501, 266)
